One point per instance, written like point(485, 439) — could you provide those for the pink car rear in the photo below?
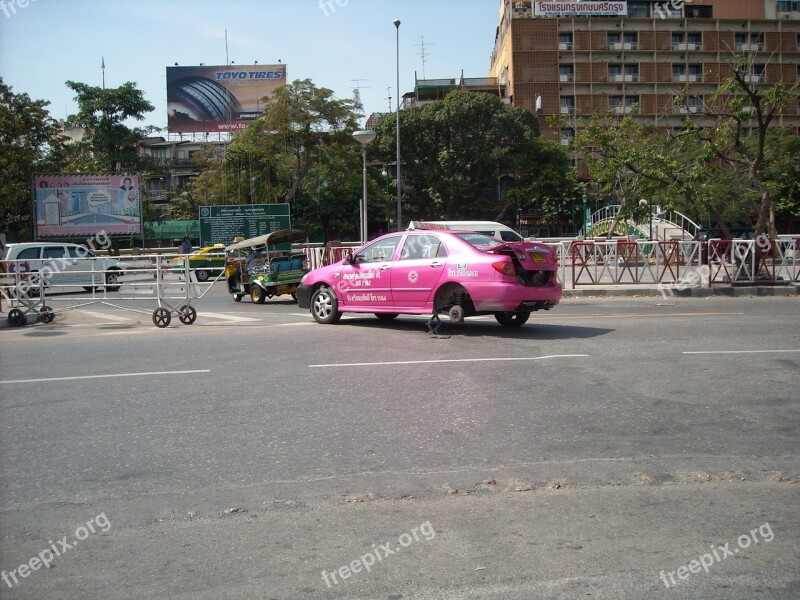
point(461, 274)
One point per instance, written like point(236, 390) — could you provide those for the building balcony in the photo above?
point(687, 78)
point(564, 78)
point(623, 46)
point(685, 110)
point(624, 78)
point(755, 78)
point(565, 45)
point(567, 110)
point(687, 46)
point(749, 47)
point(566, 141)
point(624, 110)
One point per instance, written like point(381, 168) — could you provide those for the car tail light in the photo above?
point(505, 267)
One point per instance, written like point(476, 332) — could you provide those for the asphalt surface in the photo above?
point(603, 450)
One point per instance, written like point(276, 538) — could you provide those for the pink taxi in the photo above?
point(458, 273)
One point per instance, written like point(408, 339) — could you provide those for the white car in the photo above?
point(63, 264)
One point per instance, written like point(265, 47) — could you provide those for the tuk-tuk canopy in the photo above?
point(284, 236)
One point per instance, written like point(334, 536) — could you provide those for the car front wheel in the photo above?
point(512, 319)
point(325, 306)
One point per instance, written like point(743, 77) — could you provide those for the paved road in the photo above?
point(603, 450)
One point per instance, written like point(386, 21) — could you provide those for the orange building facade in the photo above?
point(635, 57)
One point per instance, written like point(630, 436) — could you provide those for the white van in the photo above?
point(490, 228)
point(62, 264)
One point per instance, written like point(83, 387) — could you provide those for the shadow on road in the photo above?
point(531, 330)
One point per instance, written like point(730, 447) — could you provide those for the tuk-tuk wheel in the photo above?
point(257, 295)
point(161, 317)
point(187, 315)
point(237, 297)
point(16, 318)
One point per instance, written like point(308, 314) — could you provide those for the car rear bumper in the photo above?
point(512, 297)
point(303, 296)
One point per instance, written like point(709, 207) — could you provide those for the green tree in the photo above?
point(300, 151)
point(711, 166)
point(456, 152)
point(32, 142)
point(109, 145)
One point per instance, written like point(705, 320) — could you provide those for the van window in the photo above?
point(75, 252)
point(509, 236)
point(28, 254)
point(54, 252)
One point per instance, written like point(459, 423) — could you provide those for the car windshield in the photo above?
point(480, 241)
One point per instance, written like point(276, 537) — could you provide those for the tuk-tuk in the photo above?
point(265, 266)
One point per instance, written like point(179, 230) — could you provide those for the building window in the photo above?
point(693, 74)
point(567, 136)
point(749, 42)
point(698, 11)
point(567, 105)
point(565, 41)
point(637, 8)
point(628, 41)
point(757, 74)
point(679, 72)
point(627, 72)
point(687, 105)
point(566, 73)
point(696, 73)
point(623, 105)
point(786, 6)
point(691, 41)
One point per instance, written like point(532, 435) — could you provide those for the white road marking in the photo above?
point(110, 376)
point(226, 317)
point(448, 360)
point(741, 352)
point(102, 315)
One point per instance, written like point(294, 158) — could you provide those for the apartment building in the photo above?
point(577, 58)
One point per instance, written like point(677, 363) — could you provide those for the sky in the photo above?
point(44, 43)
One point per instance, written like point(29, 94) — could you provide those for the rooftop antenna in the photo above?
point(422, 54)
point(227, 58)
point(389, 98)
point(103, 69)
point(357, 104)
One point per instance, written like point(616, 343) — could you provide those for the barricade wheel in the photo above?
point(46, 315)
point(187, 315)
point(161, 317)
point(16, 318)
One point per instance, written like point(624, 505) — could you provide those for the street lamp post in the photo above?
point(399, 198)
point(385, 173)
point(585, 201)
point(644, 202)
point(364, 137)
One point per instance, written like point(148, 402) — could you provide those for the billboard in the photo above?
point(219, 98)
point(84, 205)
point(580, 8)
point(223, 224)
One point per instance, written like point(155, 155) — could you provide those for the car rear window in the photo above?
point(480, 241)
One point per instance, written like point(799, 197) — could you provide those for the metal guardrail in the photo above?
point(43, 288)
